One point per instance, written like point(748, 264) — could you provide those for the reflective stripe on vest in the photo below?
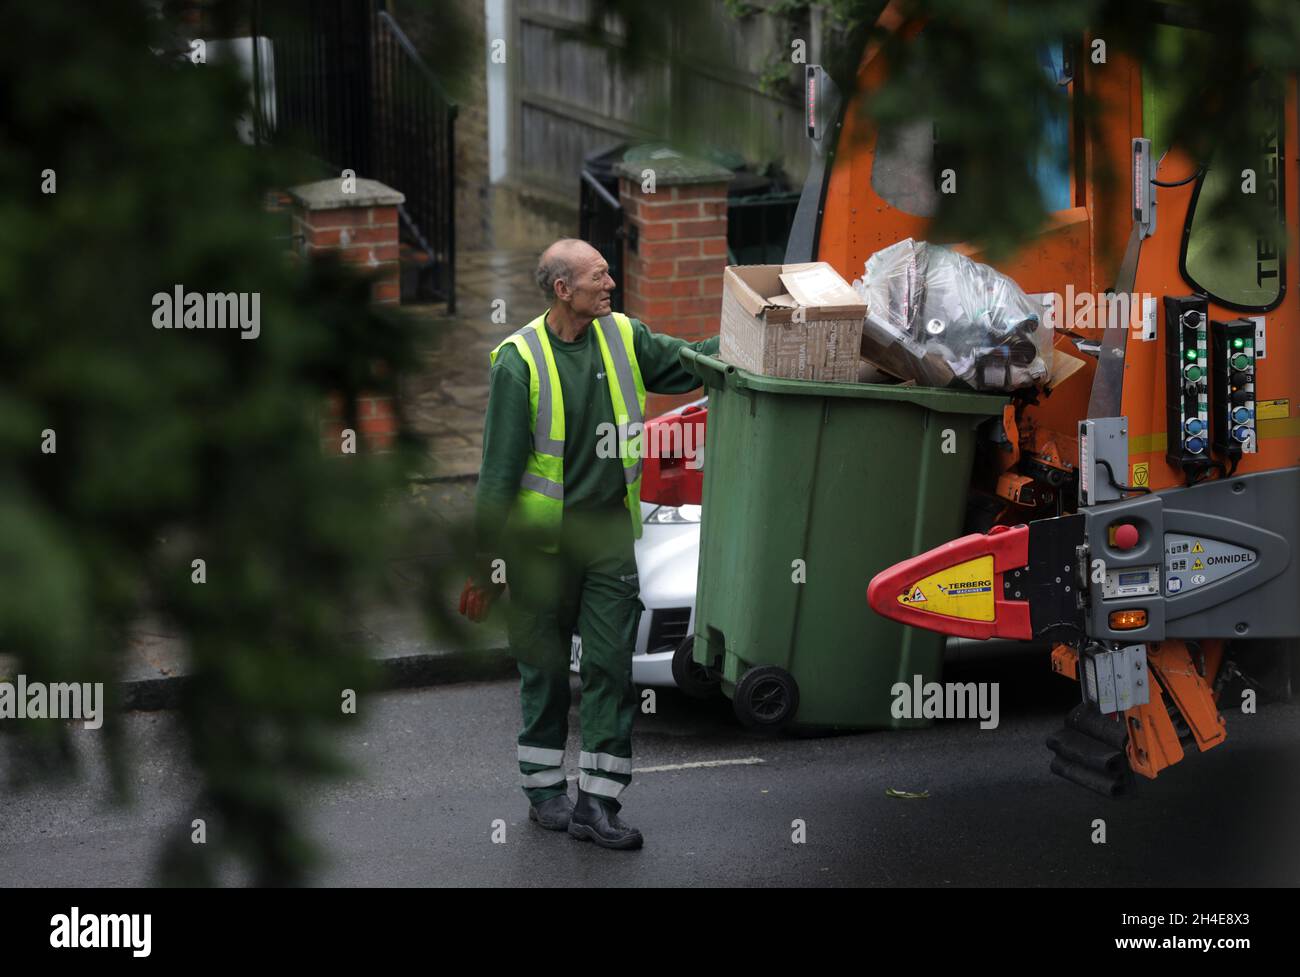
point(631, 395)
point(540, 503)
point(543, 443)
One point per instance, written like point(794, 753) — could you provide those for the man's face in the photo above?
point(589, 291)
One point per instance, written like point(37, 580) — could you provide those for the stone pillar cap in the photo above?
point(674, 170)
point(329, 195)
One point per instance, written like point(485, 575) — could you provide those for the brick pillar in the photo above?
point(361, 227)
point(675, 250)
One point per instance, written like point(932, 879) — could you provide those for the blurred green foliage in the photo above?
point(449, 36)
point(176, 445)
point(975, 71)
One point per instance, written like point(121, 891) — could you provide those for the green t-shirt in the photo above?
point(590, 482)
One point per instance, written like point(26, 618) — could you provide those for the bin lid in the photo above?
point(939, 399)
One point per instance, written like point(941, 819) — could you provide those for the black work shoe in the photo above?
point(593, 821)
point(553, 813)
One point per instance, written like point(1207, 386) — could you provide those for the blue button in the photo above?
point(1195, 425)
point(1241, 433)
point(1241, 415)
point(1196, 445)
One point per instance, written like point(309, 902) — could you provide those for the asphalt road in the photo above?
point(436, 770)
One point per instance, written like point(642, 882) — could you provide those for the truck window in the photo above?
point(1238, 267)
point(904, 172)
point(1233, 266)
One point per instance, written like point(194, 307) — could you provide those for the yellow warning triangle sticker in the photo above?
point(1198, 565)
point(962, 591)
point(1198, 548)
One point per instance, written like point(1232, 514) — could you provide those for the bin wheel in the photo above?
point(695, 680)
point(766, 697)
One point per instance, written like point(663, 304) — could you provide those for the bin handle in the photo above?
point(711, 371)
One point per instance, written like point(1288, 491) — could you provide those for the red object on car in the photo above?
point(672, 457)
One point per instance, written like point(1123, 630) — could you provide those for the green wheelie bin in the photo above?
point(810, 489)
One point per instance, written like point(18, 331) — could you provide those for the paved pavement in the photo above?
point(434, 772)
point(403, 637)
point(495, 294)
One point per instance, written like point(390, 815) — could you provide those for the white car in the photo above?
point(667, 560)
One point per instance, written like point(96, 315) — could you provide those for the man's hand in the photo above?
point(475, 600)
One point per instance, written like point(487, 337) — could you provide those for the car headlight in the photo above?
point(674, 514)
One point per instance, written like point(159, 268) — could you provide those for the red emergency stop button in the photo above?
point(1126, 536)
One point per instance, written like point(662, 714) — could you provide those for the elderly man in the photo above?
point(562, 510)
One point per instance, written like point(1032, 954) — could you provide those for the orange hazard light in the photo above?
point(1128, 620)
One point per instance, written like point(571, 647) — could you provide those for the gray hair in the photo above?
point(556, 262)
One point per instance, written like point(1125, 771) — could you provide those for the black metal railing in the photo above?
point(415, 152)
point(320, 75)
point(600, 224)
point(349, 81)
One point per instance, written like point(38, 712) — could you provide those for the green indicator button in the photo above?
point(1240, 362)
point(1194, 373)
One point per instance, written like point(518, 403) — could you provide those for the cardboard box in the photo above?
point(763, 333)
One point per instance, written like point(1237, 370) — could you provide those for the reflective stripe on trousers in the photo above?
point(600, 786)
point(543, 778)
point(605, 761)
point(539, 754)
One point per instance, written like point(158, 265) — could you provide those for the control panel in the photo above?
point(1211, 560)
point(1234, 387)
point(1131, 582)
point(1187, 382)
point(1194, 561)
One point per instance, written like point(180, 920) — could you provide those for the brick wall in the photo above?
point(376, 424)
point(365, 236)
point(673, 274)
point(361, 228)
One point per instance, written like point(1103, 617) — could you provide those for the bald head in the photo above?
point(573, 274)
point(561, 260)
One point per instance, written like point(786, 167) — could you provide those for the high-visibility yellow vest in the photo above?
point(539, 506)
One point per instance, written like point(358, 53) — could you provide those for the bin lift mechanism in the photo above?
point(1138, 593)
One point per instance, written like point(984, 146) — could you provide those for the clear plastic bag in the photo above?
point(943, 320)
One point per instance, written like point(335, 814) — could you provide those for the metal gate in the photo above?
point(347, 78)
point(600, 215)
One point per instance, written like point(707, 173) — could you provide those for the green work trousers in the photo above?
point(590, 588)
